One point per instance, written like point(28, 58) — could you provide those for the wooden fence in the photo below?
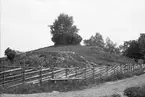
point(20, 75)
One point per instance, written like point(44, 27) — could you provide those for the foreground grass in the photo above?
point(113, 95)
point(61, 86)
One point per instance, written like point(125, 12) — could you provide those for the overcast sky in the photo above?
point(24, 23)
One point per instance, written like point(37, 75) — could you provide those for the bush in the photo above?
point(10, 54)
point(135, 91)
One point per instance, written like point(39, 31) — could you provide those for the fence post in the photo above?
point(100, 74)
point(131, 67)
point(114, 71)
point(66, 72)
point(141, 66)
point(120, 66)
point(93, 74)
point(52, 73)
point(120, 69)
point(107, 69)
point(127, 65)
point(134, 67)
point(127, 68)
point(76, 72)
point(3, 75)
point(124, 68)
point(23, 74)
point(85, 73)
point(117, 70)
point(40, 76)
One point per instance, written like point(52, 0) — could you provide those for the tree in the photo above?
point(64, 32)
point(10, 54)
point(96, 40)
point(141, 41)
point(110, 46)
point(132, 49)
point(124, 47)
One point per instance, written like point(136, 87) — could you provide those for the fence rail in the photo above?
point(20, 75)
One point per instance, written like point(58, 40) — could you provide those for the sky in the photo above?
point(24, 23)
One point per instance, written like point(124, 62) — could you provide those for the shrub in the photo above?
point(135, 91)
point(10, 54)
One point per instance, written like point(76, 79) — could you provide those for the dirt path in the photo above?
point(96, 91)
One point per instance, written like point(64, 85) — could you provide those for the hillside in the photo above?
point(67, 56)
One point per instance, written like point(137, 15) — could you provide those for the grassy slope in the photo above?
point(49, 55)
point(90, 53)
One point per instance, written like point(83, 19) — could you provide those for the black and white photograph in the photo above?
point(72, 48)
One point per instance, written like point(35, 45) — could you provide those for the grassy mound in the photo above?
point(66, 56)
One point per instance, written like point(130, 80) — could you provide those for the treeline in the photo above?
point(108, 45)
point(134, 48)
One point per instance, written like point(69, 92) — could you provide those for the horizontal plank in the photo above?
point(11, 70)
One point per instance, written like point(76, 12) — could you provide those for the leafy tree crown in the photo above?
point(64, 32)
